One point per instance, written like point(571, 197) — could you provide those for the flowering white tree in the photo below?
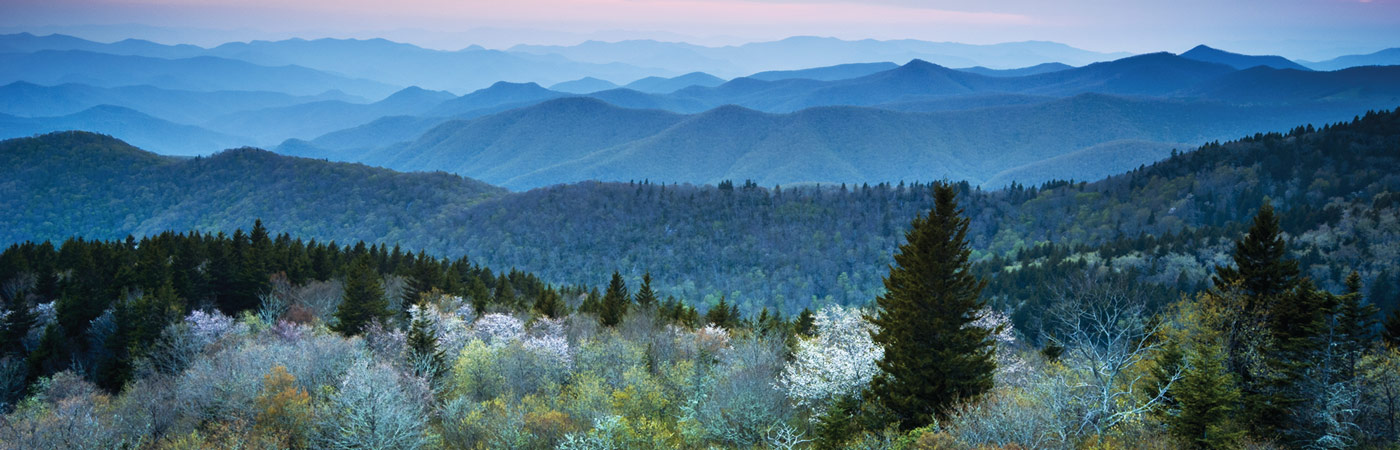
point(208, 327)
point(498, 329)
point(1011, 368)
point(839, 361)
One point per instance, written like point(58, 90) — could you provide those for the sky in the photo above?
point(1300, 29)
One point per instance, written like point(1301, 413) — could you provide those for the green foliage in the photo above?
point(615, 302)
point(363, 301)
point(933, 358)
point(1207, 399)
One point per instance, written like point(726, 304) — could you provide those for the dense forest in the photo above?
point(784, 247)
point(258, 341)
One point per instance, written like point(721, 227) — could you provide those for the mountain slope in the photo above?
point(583, 86)
point(539, 146)
point(309, 120)
point(828, 73)
point(1238, 61)
point(1387, 57)
point(501, 146)
point(659, 85)
point(109, 188)
point(158, 135)
point(28, 99)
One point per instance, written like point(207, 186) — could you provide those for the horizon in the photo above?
point(1310, 30)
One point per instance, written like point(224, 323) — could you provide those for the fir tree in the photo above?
point(1206, 396)
point(933, 357)
point(837, 424)
point(592, 303)
point(720, 314)
point(505, 293)
point(423, 352)
point(615, 302)
point(646, 298)
point(363, 300)
point(1356, 323)
point(549, 304)
point(478, 295)
point(1391, 331)
point(16, 324)
point(1262, 267)
point(806, 323)
point(424, 275)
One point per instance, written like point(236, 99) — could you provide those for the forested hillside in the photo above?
point(784, 247)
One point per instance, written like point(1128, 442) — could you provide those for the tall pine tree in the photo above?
point(363, 301)
point(615, 302)
point(646, 298)
point(1206, 398)
point(933, 356)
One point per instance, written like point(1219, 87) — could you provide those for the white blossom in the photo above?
point(839, 361)
point(498, 329)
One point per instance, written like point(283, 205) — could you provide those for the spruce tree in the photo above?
point(720, 314)
point(549, 304)
point(1391, 330)
point(505, 293)
point(423, 352)
point(1206, 396)
point(1262, 267)
point(933, 356)
point(592, 303)
point(615, 302)
point(363, 301)
point(1296, 325)
point(478, 295)
point(646, 298)
point(806, 323)
point(1356, 323)
point(16, 324)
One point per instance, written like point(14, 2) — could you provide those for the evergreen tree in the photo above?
point(423, 276)
point(592, 303)
point(478, 295)
point(1391, 331)
point(1296, 327)
point(1262, 267)
point(1356, 323)
point(1206, 396)
point(505, 293)
point(615, 302)
point(423, 352)
point(140, 321)
point(837, 424)
point(646, 298)
point(720, 314)
point(549, 304)
point(363, 300)
point(933, 357)
point(16, 324)
point(806, 323)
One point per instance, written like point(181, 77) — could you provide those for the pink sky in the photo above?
point(1262, 26)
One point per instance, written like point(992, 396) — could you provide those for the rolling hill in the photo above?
point(158, 135)
point(109, 188)
point(575, 139)
point(191, 107)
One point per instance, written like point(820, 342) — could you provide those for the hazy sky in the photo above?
point(1307, 29)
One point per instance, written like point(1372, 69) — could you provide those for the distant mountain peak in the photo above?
point(1239, 61)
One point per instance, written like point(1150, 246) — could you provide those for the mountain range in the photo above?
point(849, 122)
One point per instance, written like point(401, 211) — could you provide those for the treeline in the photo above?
point(96, 307)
